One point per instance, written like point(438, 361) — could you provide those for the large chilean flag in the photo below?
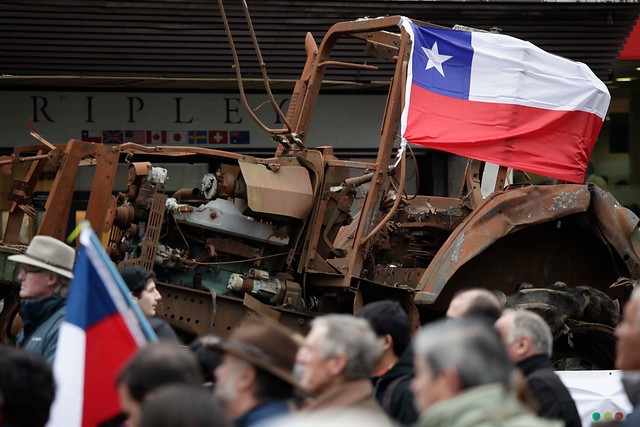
point(99, 334)
point(495, 98)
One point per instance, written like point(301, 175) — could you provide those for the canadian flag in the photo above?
point(156, 137)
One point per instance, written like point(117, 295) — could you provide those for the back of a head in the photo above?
point(159, 364)
point(484, 308)
point(478, 303)
point(27, 384)
point(207, 356)
point(532, 325)
point(353, 337)
point(388, 317)
point(182, 406)
point(473, 349)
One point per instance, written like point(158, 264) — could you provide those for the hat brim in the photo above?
point(25, 259)
point(283, 374)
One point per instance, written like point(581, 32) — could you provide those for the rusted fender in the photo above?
point(512, 210)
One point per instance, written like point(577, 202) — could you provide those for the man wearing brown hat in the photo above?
point(44, 274)
point(255, 379)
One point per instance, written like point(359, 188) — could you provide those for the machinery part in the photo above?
point(581, 319)
point(286, 192)
point(157, 175)
point(192, 311)
point(209, 186)
point(138, 171)
point(224, 216)
point(578, 232)
point(189, 193)
point(585, 346)
point(266, 289)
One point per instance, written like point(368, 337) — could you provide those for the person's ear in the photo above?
point(336, 365)
point(247, 377)
point(387, 342)
point(523, 345)
point(52, 279)
point(448, 383)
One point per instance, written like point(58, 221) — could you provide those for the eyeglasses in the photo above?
point(25, 270)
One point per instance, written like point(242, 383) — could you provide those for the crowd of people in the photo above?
point(481, 365)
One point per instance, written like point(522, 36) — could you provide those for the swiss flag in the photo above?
point(218, 137)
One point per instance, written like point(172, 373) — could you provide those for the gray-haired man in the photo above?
point(529, 343)
point(463, 378)
point(336, 361)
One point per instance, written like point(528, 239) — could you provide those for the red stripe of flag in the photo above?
point(548, 142)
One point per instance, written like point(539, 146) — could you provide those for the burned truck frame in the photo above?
point(304, 233)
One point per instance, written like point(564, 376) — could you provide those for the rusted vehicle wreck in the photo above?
point(304, 233)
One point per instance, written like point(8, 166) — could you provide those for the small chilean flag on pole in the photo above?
point(102, 329)
point(502, 100)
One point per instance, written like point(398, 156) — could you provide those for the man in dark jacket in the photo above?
point(44, 274)
point(528, 341)
point(394, 369)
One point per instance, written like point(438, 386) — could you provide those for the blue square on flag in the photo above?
point(113, 137)
point(239, 137)
point(442, 63)
point(92, 136)
point(197, 137)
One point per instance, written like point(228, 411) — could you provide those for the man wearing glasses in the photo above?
point(44, 275)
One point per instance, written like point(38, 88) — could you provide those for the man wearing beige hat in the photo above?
point(255, 380)
point(44, 274)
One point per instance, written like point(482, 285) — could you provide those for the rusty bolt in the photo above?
point(213, 214)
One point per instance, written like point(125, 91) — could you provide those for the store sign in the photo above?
point(215, 120)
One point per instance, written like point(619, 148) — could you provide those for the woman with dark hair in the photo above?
point(182, 406)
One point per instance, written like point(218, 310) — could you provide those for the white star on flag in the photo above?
point(435, 58)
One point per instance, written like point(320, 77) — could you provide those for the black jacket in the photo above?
point(553, 398)
point(391, 390)
point(163, 330)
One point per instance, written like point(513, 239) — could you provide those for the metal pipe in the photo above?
point(263, 68)
point(23, 159)
point(395, 204)
point(236, 62)
point(185, 192)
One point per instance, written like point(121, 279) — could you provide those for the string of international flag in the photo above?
point(169, 137)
